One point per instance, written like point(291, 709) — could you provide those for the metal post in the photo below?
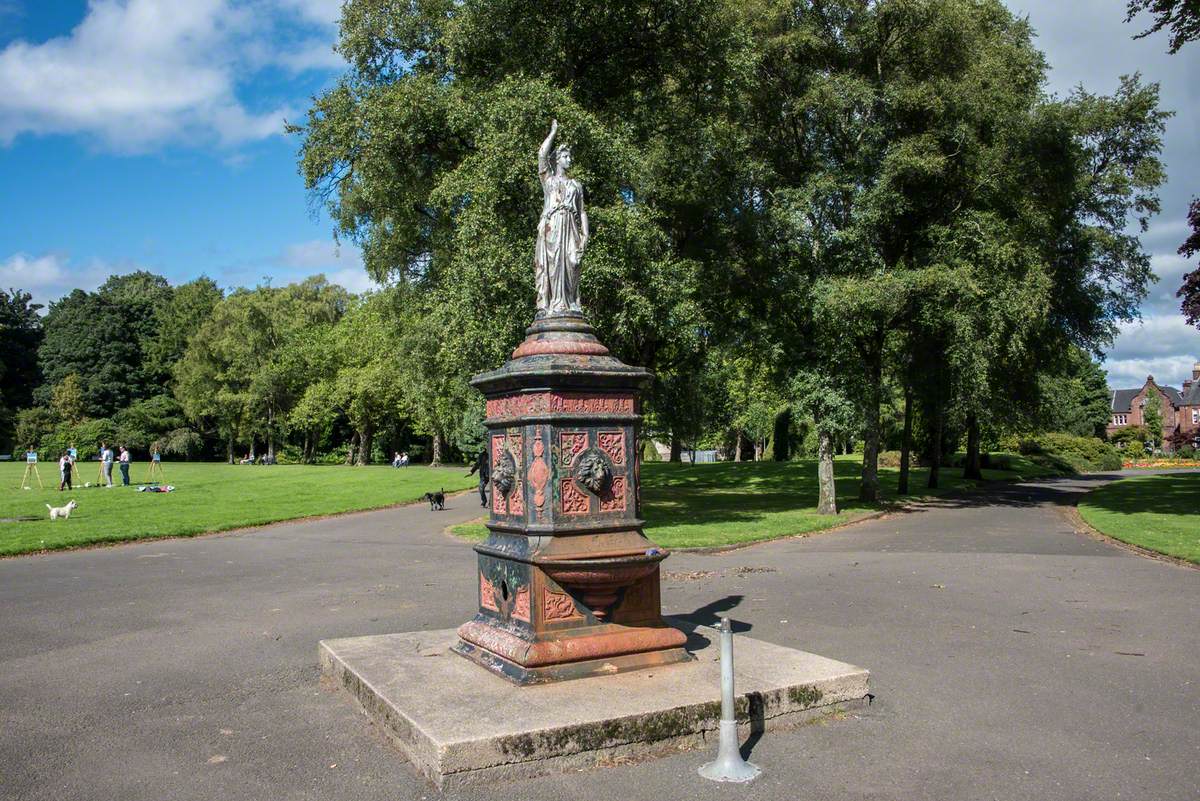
point(729, 765)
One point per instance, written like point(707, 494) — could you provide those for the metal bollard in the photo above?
point(729, 765)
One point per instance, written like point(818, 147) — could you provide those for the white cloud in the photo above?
point(139, 73)
point(1162, 345)
point(341, 262)
point(50, 276)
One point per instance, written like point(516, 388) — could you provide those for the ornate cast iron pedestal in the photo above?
point(568, 583)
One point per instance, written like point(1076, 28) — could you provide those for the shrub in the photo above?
point(1138, 434)
point(889, 458)
point(1134, 450)
point(1070, 453)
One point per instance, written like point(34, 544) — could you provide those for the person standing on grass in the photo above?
point(106, 464)
point(484, 467)
point(64, 469)
point(124, 466)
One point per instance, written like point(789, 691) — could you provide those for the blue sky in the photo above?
point(148, 134)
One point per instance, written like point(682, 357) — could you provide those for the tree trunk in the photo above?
point(759, 448)
point(783, 436)
point(973, 467)
point(436, 461)
point(306, 453)
point(935, 451)
point(827, 498)
point(676, 449)
point(229, 447)
point(873, 361)
point(906, 441)
point(271, 433)
point(352, 449)
point(366, 438)
point(737, 447)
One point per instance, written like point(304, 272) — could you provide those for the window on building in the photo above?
point(1195, 416)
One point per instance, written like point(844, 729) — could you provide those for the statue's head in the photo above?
point(562, 157)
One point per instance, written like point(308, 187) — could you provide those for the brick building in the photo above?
point(1180, 408)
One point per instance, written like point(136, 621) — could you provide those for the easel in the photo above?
point(155, 467)
point(73, 452)
point(31, 467)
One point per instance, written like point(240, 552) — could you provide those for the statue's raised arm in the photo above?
point(544, 165)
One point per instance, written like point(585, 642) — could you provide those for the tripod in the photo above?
point(31, 467)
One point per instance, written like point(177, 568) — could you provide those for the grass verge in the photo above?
point(729, 503)
point(1160, 513)
point(208, 497)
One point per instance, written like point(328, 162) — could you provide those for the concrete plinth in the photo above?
point(461, 725)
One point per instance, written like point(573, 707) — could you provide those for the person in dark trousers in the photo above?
point(484, 467)
point(124, 462)
point(64, 469)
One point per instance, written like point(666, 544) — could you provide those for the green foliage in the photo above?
point(32, 426)
point(1080, 454)
point(1181, 17)
point(67, 399)
point(20, 336)
point(1152, 417)
point(1138, 434)
point(177, 320)
point(151, 421)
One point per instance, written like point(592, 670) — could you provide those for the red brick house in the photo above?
point(1180, 408)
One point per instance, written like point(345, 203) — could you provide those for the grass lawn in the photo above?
point(726, 503)
point(1161, 513)
point(208, 497)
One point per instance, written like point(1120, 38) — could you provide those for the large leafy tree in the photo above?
point(232, 378)
point(20, 336)
point(104, 338)
point(176, 320)
point(424, 153)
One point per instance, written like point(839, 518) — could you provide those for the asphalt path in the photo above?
point(1011, 657)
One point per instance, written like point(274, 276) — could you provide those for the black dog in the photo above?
point(437, 500)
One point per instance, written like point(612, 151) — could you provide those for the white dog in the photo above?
point(61, 511)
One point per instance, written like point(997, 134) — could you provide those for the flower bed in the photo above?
point(1158, 464)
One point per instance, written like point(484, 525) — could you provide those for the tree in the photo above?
point(1190, 291)
point(423, 153)
point(1181, 17)
point(20, 337)
point(67, 399)
point(231, 378)
point(1152, 418)
point(878, 123)
point(103, 337)
point(177, 320)
point(835, 416)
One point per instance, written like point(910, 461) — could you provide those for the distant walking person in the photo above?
point(106, 464)
point(484, 467)
point(124, 466)
point(64, 468)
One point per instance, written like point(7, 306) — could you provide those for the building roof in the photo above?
point(1122, 399)
point(1192, 396)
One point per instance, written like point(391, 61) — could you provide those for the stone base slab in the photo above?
point(459, 724)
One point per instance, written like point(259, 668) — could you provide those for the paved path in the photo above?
point(1011, 658)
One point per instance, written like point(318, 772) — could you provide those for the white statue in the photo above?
point(562, 232)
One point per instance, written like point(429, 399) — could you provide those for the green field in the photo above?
point(727, 503)
point(1160, 512)
point(208, 497)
